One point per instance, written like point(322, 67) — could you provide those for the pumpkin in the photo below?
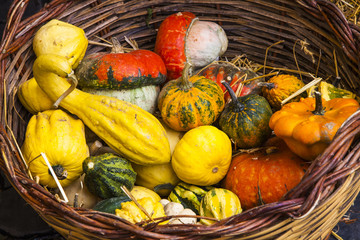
point(280, 87)
point(265, 175)
point(329, 91)
point(119, 70)
point(219, 203)
point(237, 77)
point(309, 126)
point(187, 103)
point(183, 38)
point(61, 38)
point(142, 140)
point(188, 195)
point(202, 157)
point(61, 138)
point(79, 195)
point(105, 174)
point(159, 178)
point(33, 98)
point(246, 119)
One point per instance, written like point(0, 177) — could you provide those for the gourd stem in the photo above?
point(186, 37)
point(116, 46)
point(60, 172)
point(73, 85)
point(239, 106)
point(319, 110)
point(185, 84)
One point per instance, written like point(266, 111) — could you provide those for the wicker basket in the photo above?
point(310, 211)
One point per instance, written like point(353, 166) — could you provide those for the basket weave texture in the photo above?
point(309, 211)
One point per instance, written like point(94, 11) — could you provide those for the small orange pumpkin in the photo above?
point(265, 175)
point(309, 126)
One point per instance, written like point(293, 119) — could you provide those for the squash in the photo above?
point(144, 97)
point(118, 70)
point(110, 205)
point(246, 119)
point(189, 196)
point(61, 38)
point(187, 103)
point(132, 213)
point(105, 174)
point(183, 38)
point(309, 126)
point(280, 87)
point(33, 98)
point(329, 91)
point(202, 157)
point(219, 203)
point(84, 197)
point(139, 192)
point(265, 175)
point(219, 71)
point(159, 178)
point(142, 140)
point(62, 138)
point(170, 42)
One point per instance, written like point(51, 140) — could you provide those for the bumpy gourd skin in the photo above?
point(306, 133)
point(125, 127)
point(57, 37)
point(62, 138)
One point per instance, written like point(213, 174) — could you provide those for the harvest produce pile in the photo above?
point(176, 131)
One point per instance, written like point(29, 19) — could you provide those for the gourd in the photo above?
point(183, 38)
point(61, 38)
point(246, 119)
point(202, 157)
point(139, 192)
point(174, 208)
point(189, 196)
point(105, 174)
point(33, 98)
point(329, 91)
point(132, 213)
point(79, 195)
point(309, 126)
point(219, 203)
point(265, 175)
point(280, 87)
point(61, 138)
point(118, 70)
point(142, 140)
point(237, 78)
point(159, 178)
point(187, 103)
point(110, 205)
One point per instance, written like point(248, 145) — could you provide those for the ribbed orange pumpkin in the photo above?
point(186, 103)
point(264, 176)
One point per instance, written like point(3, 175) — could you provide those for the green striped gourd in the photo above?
point(106, 173)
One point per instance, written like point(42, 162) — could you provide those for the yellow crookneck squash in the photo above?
point(62, 138)
point(309, 126)
point(129, 130)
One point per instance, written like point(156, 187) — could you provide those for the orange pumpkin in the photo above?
point(309, 126)
point(265, 175)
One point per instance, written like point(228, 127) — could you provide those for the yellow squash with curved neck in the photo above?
point(129, 130)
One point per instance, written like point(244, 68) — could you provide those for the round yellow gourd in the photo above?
point(202, 157)
point(33, 98)
point(61, 38)
point(160, 178)
point(62, 138)
point(140, 192)
point(219, 203)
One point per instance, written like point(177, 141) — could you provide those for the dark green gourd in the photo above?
point(106, 173)
point(246, 119)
